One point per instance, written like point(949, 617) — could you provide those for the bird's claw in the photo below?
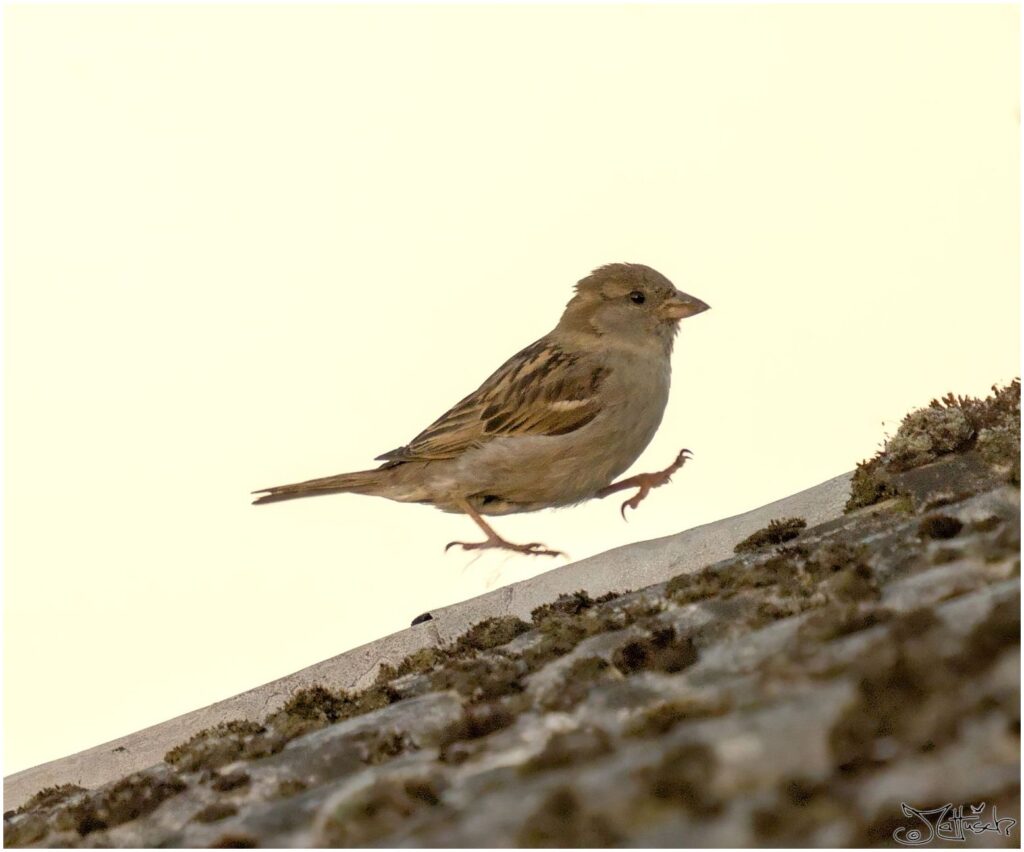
point(647, 481)
point(633, 502)
point(537, 549)
point(534, 548)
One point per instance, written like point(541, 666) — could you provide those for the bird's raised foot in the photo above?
point(534, 548)
point(645, 482)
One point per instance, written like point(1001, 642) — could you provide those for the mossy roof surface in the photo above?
point(793, 694)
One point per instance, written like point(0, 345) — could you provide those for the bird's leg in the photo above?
point(495, 540)
point(645, 482)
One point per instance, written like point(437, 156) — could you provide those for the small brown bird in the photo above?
point(555, 424)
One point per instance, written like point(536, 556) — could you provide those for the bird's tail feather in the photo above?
point(360, 482)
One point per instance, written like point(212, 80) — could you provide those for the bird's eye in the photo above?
point(636, 297)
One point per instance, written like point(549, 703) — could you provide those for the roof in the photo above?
point(799, 691)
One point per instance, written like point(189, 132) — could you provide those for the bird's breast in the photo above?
point(521, 473)
point(635, 408)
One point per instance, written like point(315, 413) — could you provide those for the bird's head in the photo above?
point(628, 303)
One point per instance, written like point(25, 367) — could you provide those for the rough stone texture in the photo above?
point(793, 694)
point(631, 567)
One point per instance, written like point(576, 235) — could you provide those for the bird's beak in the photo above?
point(681, 306)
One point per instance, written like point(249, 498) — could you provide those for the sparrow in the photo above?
point(552, 426)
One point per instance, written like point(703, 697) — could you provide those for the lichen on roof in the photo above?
point(791, 694)
point(950, 425)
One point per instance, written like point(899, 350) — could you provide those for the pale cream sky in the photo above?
point(252, 245)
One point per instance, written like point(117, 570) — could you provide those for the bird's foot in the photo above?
point(534, 548)
point(644, 482)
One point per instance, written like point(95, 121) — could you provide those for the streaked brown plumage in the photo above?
point(555, 424)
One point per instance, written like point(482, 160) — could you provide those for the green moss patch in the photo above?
point(288, 787)
point(314, 708)
point(477, 721)
point(701, 585)
point(235, 841)
point(803, 577)
point(213, 747)
point(940, 527)
point(839, 619)
point(562, 821)
point(685, 779)
point(230, 781)
point(569, 748)
point(987, 524)
point(577, 682)
point(802, 807)
point(216, 812)
point(306, 711)
point(48, 797)
point(380, 809)
point(482, 678)
point(662, 718)
point(778, 531)
point(570, 604)
point(381, 746)
point(664, 650)
point(491, 633)
point(563, 628)
point(914, 623)
point(419, 662)
point(871, 484)
point(128, 799)
point(315, 704)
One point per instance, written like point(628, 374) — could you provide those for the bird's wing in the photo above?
point(542, 390)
